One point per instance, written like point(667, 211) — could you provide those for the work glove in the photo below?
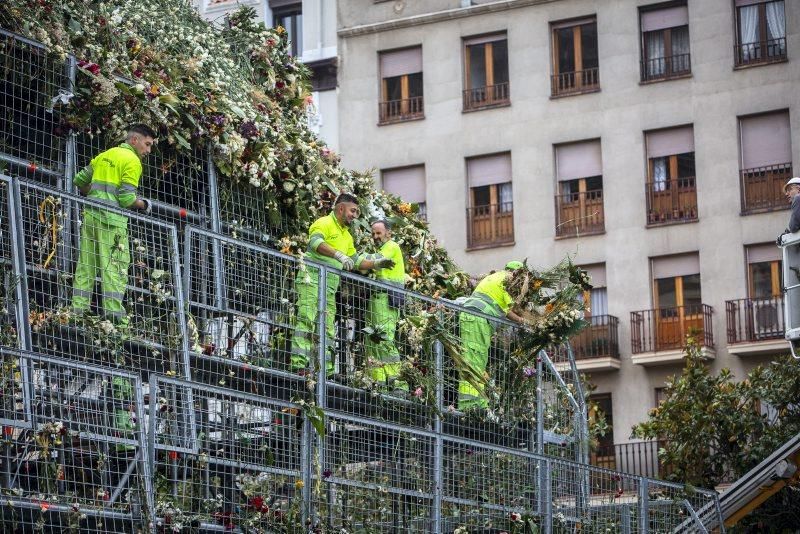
point(383, 263)
point(148, 206)
point(347, 262)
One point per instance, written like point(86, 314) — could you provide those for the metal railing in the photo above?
point(760, 52)
point(492, 224)
point(580, 213)
point(664, 68)
point(670, 201)
point(486, 96)
point(598, 340)
point(401, 110)
point(666, 328)
point(173, 401)
point(570, 83)
point(636, 457)
point(754, 319)
point(762, 188)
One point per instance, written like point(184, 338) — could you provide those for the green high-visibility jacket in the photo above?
point(328, 230)
point(113, 177)
point(396, 274)
point(492, 291)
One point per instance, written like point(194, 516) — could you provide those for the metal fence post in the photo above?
point(546, 469)
point(644, 506)
point(438, 453)
point(216, 226)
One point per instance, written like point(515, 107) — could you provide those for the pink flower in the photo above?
point(418, 392)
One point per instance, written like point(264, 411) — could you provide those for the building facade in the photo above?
point(650, 140)
point(311, 27)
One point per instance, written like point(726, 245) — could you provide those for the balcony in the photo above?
point(755, 326)
point(408, 109)
point(671, 201)
point(640, 457)
point(666, 68)
point(658, 336)
point(762, 188)
point(575, 83)
point(596, 348)
point(490, 96)
point(490, 225)
point(580, 214)
point(760, 53)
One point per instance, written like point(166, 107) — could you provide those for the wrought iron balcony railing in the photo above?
point(490, 225)
point(401, 110)
point(670, 201)
point(762, 188)
point(487, 96)
point(580, 213)
point(769, 51)
point(666, 328)
point(598, 340)
point(664, 68)
point(572, 83)
point(754, 319)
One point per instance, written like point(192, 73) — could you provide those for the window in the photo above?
point(575, 57)
point(289, 15)
point(401, 85)
point(660, 395)
point(766, 161)
point(490, 216)
point(601, 406)
point(670, 190)
point(760, 32)
point(596, 298)
point(409, 184)
point(764, 271)
point(579, 198)
point(486, 72)
point(665, 43)
point(678, 299)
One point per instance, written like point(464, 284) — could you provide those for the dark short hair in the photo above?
point(345, 197)
point(141, 129)
point(384, 222)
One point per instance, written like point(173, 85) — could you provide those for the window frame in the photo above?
point(669, 62)
point(582, 198)
point(765, 58)
point(494, 95)
point(291, 11)
point(494, 213)
point(407, 110)
point(580, 82)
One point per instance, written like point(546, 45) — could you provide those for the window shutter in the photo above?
point(749, 2)
point(400, 62)
point(579, 160)
point(598, 273)
point(660, 19)
point(485, 39)
point(408, 183)
point(670, 141)
point(765, 140)
point(762, 253)
point(489, 170)
point(677, 265)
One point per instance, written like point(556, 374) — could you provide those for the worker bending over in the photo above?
point(491, 298)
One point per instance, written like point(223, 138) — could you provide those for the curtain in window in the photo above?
point(599, 300)
point(748, 26)
point(776, 29)
point(680, 49)
point(655, 53)
point(659, 174)
point(505, 198)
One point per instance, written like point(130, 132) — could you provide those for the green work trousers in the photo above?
point(383, 359)
point(476, 336)
point(104, 251)
point(306, 286)
point(122, 392)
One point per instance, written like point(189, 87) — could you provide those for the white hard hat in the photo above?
point(792, 181)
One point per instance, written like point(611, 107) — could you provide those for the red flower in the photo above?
point(138, 73)
point(279, 85)
point(256, 503)
point(173, 455)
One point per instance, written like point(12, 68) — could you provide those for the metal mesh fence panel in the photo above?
point(81, 464)
point(103, 284)
point(34, 88)
point(242, 301)
point(176, 180)
point(9, 277)
point(373, 477)
point(242, 469)
point(245, 213)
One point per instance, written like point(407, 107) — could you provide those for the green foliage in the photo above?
point(713, 426)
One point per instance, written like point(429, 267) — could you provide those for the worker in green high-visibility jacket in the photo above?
point(383, 311)
point(329, 242)
point(491, 298)
point(111, 178)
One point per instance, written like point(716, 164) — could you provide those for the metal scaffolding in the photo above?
point(191, 416)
